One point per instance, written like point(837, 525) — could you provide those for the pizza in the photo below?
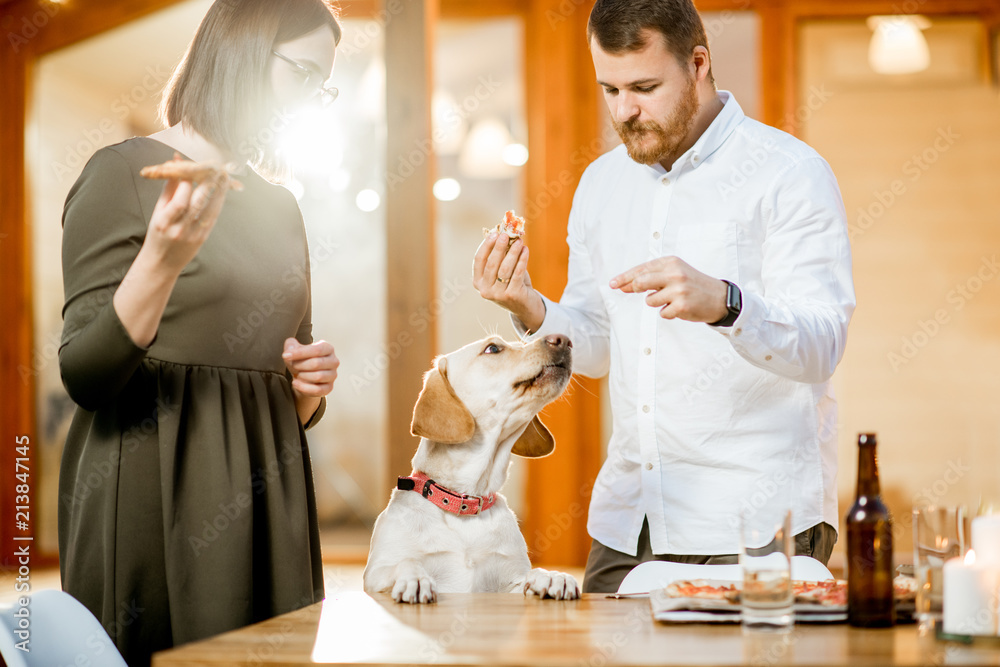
point(904, 588)
point(703, 590)
point(512, 225)
point(187, 170)
point(828, 593)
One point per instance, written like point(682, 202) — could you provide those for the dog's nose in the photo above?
point(558, 340)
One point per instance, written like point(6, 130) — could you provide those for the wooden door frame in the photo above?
point(564, 123)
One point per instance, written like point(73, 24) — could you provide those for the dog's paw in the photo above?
point(549, 584)
point(414, 590)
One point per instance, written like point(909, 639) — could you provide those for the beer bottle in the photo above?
point(869, 547)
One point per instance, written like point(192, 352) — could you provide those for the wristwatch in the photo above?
point(734, 304)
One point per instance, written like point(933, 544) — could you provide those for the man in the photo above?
point(710, 274)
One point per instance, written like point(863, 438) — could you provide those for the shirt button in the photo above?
point(665, 180)
point(645, 408)
point(767, 358)
point(656, 235)
point(738, 332)
point(647, 351)
point(649, 466)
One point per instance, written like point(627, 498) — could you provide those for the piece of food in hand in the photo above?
point(187, 170)
point(512, 225)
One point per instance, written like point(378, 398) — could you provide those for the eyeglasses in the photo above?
point(313, 81)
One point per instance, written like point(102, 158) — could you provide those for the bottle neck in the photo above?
point(867, 471)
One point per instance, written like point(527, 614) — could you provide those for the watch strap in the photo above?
point(734, 305)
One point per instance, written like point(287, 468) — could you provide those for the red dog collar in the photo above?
point(449, 501)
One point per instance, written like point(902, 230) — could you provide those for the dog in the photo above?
point(447, 529)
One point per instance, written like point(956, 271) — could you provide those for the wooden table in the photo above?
point(499, 629)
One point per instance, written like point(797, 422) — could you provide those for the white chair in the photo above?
point(63, 632)
point(653, 574)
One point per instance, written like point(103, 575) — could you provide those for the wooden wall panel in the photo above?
point(409, 53)
point(563, 125)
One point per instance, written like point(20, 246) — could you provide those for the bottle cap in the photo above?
point(867, 439)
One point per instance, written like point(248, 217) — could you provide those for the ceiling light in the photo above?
point(368, 200)
point(447, 189)
point(898, 45)
point(515, 154)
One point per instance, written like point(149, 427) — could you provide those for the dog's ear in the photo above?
point(535, 442)
point(440, 415)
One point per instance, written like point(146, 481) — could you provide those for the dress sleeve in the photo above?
point(304, 336)
point(103, 230)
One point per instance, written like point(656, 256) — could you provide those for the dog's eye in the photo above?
point(492, 348)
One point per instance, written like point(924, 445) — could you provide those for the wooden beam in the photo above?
point(480, 9)
point(17, 409)
point(563, 139)
point(409, 51)
point(818, 9)
point(449, 9)
point(45, 26)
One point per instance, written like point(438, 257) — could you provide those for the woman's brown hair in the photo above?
point(222, 89)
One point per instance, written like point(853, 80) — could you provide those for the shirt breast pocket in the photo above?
point(710, 248)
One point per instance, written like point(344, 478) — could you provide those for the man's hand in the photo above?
point(501, 276)
point(677, 289)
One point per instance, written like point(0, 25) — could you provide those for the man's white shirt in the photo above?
point(709, 422)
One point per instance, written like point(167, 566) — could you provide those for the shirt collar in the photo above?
point(713, 137)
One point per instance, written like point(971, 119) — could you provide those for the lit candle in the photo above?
point(971, 592)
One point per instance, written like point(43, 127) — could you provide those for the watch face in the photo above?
point(735, 299)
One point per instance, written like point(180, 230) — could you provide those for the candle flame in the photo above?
point(970, 558)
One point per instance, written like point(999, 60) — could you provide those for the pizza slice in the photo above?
point(187, 170)
point(702, 589)
point(512, 225)
point(828, 593)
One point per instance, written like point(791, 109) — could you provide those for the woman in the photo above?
point(186, 494)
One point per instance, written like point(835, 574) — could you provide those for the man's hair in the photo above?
point(222, 87)
point(618, 26)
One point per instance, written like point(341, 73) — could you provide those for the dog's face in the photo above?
point(494, 383)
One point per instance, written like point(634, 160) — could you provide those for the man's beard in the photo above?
point(668, 136)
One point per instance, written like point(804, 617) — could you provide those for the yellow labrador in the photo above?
point(447, 529)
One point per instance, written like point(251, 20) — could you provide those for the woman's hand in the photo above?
point(182, 219)
point(314, 369)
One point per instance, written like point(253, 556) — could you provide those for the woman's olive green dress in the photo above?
point(186, 503)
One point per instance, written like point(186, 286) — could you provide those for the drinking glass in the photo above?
point(766, 548)
point(939, 533)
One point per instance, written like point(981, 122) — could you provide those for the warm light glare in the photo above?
point(368, 200)
point(447, 189)
point(898, 45)
point(448, 122)
point(515, 154)
point(482, 153)
point(970, 557)
point(296, 188)
point(340, 180)
point(312, 140)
